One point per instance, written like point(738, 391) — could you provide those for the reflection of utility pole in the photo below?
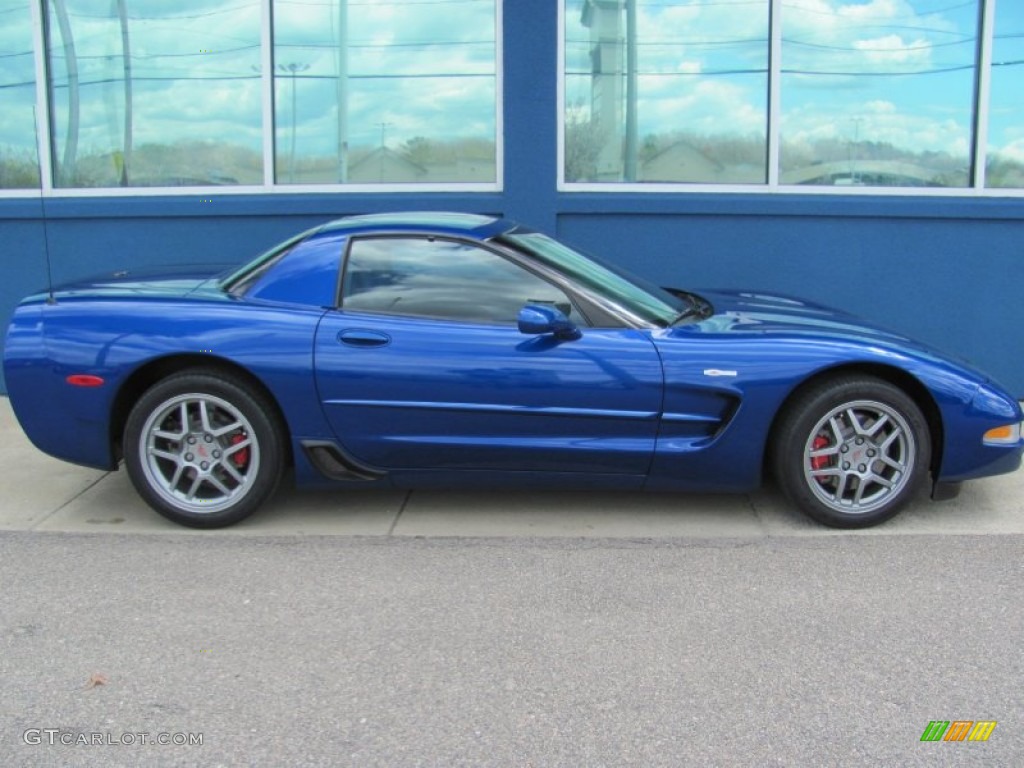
point(849, 152)
point(126, 53)
point(631, 92)
point(342, 86)
point(383, 145)
point(293, 69)
point(67, 166)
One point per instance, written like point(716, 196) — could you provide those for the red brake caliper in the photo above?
point(240, 457)
point(819, 462)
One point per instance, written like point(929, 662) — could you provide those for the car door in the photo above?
point(423, 368)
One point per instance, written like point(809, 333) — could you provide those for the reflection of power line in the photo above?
point(219, 11)
point(680, 42)
point(788, 71)
point(406, 3)
point(425, 44)
point(864, 48)
point(786, 6)
point(157, 79)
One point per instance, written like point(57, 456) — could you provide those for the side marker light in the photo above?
point(84, 380)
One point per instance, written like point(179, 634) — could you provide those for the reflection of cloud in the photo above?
point(712, 106)
point(420, 69)
point(877, 121)
point(885, 51)
point(1012, 151)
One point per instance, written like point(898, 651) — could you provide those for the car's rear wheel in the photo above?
point(850, 452)
point(203, 448)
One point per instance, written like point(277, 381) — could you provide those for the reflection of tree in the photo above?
point(1004, 172)
point(18, 169)
point(420, 150)
point(582, 144)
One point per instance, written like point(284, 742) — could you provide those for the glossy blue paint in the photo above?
point(432, 401)
point(445, 395)
point(946, 270)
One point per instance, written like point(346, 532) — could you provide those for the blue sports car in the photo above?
point(452, 350)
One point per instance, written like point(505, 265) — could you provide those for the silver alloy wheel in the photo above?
point(199, 453)
point(859, 456)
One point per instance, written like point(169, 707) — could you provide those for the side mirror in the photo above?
point(539, 319)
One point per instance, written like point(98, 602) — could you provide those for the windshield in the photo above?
point(648, 302)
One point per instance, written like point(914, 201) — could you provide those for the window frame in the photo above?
point(268, 186)
point(773, 186)
point(579, 315)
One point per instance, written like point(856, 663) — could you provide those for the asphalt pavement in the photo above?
point(501, 629)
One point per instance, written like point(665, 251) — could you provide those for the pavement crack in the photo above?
point(398, 515)
point(51, 513)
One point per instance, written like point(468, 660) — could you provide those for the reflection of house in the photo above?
point(680, 161)
point(686, 163)
point(386, 165)
point(881, 173)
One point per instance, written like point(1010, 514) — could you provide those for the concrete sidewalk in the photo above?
point(38, 493)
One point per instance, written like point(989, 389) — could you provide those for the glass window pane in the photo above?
point(1006, 113)
point(698, 109)
point(878, 93)
point(375, 91)
point(416, 277)
point(19, 166)
point(154, 93)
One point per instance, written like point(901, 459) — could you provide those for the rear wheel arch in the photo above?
point(157, 370)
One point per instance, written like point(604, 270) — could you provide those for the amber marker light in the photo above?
point(84, 380)
point(1008, 434)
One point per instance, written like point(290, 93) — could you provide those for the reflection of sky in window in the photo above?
point(193, 65)
point(1006, 115)
point(702, 66)
point(193, 105)
point(897, 72)
point(416, 68)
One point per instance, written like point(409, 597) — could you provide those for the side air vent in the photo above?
point(332, 462)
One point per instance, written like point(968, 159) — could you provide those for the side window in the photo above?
point(440, 279)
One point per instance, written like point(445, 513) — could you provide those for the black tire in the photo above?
point(851, 451)
point(203, 448)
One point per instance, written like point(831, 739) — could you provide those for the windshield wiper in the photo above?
point(698, 307)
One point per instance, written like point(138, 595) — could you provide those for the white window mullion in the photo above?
point(42, 109)
point(988, 15)
point(267, 89)
point(774, 90)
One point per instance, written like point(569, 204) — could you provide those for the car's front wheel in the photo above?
point(852, 451)
point(203, 448)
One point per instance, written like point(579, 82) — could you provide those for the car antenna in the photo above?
point(50, 298)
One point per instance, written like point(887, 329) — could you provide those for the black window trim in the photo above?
point(582, 304)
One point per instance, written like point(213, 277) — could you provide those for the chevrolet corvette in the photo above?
point(453, 350)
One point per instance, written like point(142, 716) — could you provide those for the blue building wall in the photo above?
point(947, 270)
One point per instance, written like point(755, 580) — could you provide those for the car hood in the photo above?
point(759, 313)
point(753, 313)
point(172, 282)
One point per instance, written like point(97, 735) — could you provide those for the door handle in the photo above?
point(357, 337)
